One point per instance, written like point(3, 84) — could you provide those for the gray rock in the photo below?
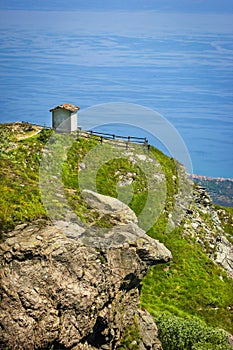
point(225, 255)
point(205, 226)
point(148, 332)
point(72, 229)
point(54, 289)
point(111, 206)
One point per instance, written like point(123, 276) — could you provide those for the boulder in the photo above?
point(58, 292)
point(117, 210)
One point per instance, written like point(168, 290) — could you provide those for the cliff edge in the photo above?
point(56, 292)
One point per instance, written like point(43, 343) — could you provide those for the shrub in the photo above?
point(178, 333)
point(208, 346)
point(44, 135)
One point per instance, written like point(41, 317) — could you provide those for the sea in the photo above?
point(179, 72)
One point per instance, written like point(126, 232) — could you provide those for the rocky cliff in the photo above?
point(202, 223)
point(58, 293)
point(74, 283)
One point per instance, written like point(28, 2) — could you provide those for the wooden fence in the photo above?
point(101, 136)
point(124, 140)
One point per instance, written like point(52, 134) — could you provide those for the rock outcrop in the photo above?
point(202, 222)
point(57, 292)
point(117, 210)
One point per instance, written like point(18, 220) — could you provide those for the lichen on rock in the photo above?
point(57, 291)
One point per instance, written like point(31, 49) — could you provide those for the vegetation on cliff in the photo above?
point(191, 287)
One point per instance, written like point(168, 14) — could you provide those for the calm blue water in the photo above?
point(48, 59)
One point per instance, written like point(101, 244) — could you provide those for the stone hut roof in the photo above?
point(67, 106)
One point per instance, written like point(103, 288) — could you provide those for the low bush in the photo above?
point(44, 135)
point(177, 333)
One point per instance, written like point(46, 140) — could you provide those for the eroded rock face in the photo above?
point(148, 331)
point(57, 291)
point(202, 222)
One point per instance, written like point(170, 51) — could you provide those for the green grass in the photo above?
point(20, 197)
point(189, 286)
point(131, 338)
point(226, 216)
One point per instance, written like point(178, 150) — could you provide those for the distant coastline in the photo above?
point(220, 189)
point(209, 178)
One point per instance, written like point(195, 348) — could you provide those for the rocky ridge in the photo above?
point(58, 291)
point(202, 223)
point(194, 211)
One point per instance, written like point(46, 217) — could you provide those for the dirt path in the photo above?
point(26, 135)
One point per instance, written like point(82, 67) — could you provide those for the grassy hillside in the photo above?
point(191, 286)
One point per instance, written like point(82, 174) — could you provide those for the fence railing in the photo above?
point(126, 140)
point(101, 136)
point(114, 136)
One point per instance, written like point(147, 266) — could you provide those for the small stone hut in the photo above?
point(65, 117)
